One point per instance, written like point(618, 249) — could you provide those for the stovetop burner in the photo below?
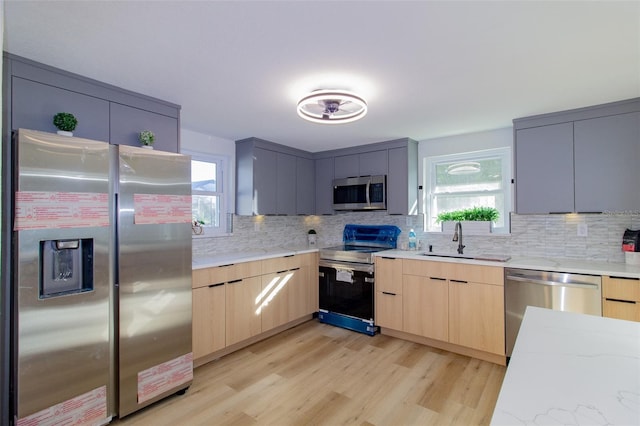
point(361, 241)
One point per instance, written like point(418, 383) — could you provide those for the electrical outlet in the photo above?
point(409, 221)
point(583, 230)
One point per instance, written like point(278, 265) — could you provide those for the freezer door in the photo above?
point(61, 280)
point(154, 276)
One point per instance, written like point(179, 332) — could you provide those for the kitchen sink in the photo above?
point(488, 257)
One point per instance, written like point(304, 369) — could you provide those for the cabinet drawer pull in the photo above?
point(235, 281)
point(390, 294)
point(282, 272)
point(385, 257)
point(289, 255)
point(437, 278)
point(624, 278)
point(224, 266)
point(620, 301)
point(295, 269)
point(215, 285)
point(459, 281)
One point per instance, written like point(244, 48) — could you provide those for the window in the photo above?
point(207, 194)
point(474, 179)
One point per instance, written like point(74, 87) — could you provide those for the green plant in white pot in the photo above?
point(65, 122)
point(475, 220)
point(147, 138)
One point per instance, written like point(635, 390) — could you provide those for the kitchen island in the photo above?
point(572, 369)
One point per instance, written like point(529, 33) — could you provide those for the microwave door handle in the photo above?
point(368, 189)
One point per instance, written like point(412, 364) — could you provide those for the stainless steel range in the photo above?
point(347, 276)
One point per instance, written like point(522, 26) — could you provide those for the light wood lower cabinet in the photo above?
point(388, 297)
point(461, 305)
point(476, 316)
point(237, 303)
point(426, 308)
point(243, 318)
point(209, 319)
point(621, 298)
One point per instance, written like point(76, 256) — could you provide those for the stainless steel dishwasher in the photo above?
point(553, 290)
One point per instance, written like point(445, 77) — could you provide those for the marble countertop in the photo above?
point(576, 266)
point(572, 369)
point(199, 262)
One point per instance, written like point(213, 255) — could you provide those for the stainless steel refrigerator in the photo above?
point(101, 283)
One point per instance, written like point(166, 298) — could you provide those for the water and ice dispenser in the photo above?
point(66, 267)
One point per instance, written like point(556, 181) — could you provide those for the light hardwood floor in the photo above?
point(317, 374)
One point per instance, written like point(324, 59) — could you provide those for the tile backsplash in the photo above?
point(531, 235)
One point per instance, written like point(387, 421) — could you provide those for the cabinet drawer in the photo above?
point(225, 273)
point(629, 311)
point(424, 268)
point(478, 274)
point(621, 288)
point(278, 264)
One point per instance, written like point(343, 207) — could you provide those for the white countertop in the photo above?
point(199, 262)
point(576, 266)
point(572, 369)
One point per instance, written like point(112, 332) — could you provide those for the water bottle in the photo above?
point(412, 240)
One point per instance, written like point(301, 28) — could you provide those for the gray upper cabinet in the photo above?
point(544, 169)
point(583, 160)
point(127, 122)
point(273, 179)
point(402, 180)
point(607, 159)
point(305, 186)
point(324, 185)
point(286, 184)
point(374, 163)
point(364, 164)
point(34, 104)
point(35, 92)
point(347, 166)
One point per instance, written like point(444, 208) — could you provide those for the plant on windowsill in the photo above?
point(147, 138)
point(65, 122)
point(475, 221)
point(196, 227)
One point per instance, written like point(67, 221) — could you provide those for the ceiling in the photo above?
point(427, 68)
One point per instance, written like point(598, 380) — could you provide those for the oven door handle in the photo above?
point(360, 267)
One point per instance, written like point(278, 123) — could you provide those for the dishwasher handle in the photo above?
point(552, 283)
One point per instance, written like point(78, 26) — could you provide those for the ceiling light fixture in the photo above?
point(332, 107)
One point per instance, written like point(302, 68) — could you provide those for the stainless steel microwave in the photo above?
point(360, 193)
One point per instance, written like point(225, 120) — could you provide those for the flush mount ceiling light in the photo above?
point(332, 107)
point(465, 168)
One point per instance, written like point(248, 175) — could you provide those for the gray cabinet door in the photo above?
point(305, 186)
point(286, 184)
point(347, 166)
point(607, 159)
point(544, 169)
point(324, 185)
point(127, 123)
point(265, 179)
point(374, 163)
point(33, 106)
point(397, 182)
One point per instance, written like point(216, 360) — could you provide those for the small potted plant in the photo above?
point(196, 227)
point(147, 138)
point(65, 122)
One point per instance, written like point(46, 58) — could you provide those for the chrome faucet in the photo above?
point(457, 236)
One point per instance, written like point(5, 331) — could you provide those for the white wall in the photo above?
point(194, 143)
